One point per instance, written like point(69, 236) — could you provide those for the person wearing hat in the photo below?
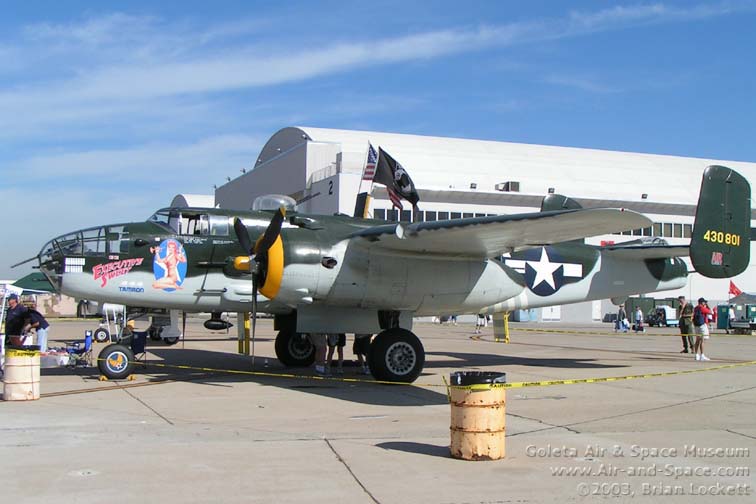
point(14, 321)
point(40, 325)
point(701, 326)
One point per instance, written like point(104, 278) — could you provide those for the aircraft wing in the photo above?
point(646, 251)
point(494, 235)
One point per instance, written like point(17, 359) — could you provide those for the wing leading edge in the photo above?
point(495, 235)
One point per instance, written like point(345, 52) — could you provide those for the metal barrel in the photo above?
point(478, 415)
point(21, 373)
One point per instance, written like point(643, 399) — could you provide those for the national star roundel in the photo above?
point(544, 269)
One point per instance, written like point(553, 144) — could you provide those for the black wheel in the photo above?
point(116, 361)
point(101, 335)
point(171, 341)
point(294, 349)
point(396, 355)
point(154, 333)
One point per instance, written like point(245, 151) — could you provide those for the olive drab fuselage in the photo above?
point(188, 265)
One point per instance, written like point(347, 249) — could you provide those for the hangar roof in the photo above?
point(442, 163)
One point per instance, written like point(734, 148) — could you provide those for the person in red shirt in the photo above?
point(701, 315)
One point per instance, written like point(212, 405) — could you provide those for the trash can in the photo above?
point(21, 378)
point(478, 414)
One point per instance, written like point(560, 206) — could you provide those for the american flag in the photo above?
point(396, 200)
point(372, 158)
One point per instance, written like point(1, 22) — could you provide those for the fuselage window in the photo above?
point(118, 240)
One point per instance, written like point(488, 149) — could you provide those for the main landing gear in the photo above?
point(294, 349)
point(396, 355)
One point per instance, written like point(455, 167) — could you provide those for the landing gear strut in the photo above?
point(396, 355)
point(294, 349)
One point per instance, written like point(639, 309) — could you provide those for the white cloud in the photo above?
point(154, 60)
point(151, 164)
point(584, 83)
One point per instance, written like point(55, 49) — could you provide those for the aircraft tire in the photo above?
point(396, 355)
point(294, 349)
point(116, 361)
point(171, 341)
point(101, 335)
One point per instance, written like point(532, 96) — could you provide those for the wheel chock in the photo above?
point(103, 378)
point(131, 378)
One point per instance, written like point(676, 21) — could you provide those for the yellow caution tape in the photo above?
point(14, 352)
point(598, 333)
point(484, 386)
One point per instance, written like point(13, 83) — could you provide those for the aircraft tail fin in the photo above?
point(560, 202)
point(720, 245)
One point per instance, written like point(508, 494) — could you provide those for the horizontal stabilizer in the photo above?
point(646, 251)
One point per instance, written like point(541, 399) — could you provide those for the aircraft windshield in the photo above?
point(168, 218)
point(88, 242)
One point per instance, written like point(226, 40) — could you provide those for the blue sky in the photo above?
point(107, 110)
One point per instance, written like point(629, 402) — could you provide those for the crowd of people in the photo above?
point(695, 323)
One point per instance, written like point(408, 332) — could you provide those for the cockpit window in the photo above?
point(167, 218)
point(118, 240)
point(219, 225)
point(194, 224)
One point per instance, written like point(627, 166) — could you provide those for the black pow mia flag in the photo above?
point(396, 179)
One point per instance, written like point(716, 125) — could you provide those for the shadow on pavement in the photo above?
point(220, 369)
point(473, 359)
point(419, 448)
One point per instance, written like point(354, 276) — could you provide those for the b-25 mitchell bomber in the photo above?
point(334, 274)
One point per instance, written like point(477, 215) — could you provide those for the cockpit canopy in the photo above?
point(187, 221)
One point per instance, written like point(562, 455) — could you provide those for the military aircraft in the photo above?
point(334, 274)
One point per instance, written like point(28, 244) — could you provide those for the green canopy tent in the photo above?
point(34, 283)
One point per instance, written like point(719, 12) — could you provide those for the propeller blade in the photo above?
point(25, 261)
point(271, 232)
point(242, 235)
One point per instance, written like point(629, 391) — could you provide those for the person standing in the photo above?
point(730, 317)
point(360, 348)
point(685, 318)
point(621, 319)
point(320, 342)
point(15, 319)
point(701, 325)
point(336, 341)
point(480, 323)
point(639, 320)
point(40, 325)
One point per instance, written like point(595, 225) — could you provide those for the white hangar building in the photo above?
point(463, 178)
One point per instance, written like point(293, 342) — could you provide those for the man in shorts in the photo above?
point(336, 341)
point(320, 342)
point(360, 348)
point(701, 327)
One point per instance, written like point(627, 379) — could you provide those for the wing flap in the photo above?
point(494, 235)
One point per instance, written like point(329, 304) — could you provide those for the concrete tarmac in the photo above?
point(191, 436)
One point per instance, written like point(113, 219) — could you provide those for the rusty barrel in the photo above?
point(478, 415)
point(21, 373)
